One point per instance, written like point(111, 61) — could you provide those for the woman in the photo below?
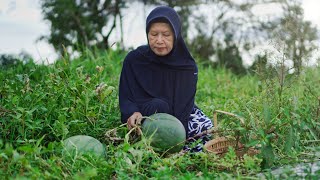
point(162, 77)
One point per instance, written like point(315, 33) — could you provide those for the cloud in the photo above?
point(21, 25)
point(311, 11)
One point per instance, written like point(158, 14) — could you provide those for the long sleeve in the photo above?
point(127, 105)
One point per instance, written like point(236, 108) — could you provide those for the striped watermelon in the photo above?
point(166, 132)
point(83, 144)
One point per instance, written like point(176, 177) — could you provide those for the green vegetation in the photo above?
point(42, 105)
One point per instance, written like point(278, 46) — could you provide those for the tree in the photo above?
point(8, 60)
point(81, 23)
point(297, 36)
point(229, 57)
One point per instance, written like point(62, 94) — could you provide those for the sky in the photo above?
point(21, 25)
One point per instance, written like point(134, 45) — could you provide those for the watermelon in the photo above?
point(166, 132)
point(81, 144)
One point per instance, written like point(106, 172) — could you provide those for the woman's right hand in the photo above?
point(134, 119)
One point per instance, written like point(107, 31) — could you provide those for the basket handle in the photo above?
point(215, 117)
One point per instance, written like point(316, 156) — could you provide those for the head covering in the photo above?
point(171, 78)
point(179, 57)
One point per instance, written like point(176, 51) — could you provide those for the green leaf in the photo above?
point(289, 140)
point(266, 114)
point(268, 156)
point(252, 143)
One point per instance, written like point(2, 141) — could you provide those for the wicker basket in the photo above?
point(220, 144)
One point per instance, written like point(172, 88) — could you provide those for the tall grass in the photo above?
point(42, 105)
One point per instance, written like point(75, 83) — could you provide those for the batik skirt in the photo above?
point(198, 123)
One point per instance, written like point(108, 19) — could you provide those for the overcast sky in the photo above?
point(21, 25)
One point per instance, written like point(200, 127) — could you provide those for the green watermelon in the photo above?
point(166, 132)
point(81, 144)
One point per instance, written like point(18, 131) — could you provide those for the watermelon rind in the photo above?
point(166, 132)
point(83, 144)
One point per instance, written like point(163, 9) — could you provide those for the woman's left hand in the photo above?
point(134, 119)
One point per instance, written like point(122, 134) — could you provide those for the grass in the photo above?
point(42, 105)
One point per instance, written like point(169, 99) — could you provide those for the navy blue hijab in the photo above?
point(171, 78)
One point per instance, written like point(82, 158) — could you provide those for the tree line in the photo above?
point(219, 37)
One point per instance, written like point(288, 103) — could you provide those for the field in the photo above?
point(42, 105)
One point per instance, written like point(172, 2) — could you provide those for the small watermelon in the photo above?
point(166, 132)
point(83, 144)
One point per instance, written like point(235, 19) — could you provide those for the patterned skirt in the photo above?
point(197, 124)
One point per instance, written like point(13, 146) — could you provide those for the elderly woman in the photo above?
point(162, 77)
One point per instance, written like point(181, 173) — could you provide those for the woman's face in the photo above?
point(160, 37)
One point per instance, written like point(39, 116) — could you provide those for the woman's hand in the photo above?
point(134, 119)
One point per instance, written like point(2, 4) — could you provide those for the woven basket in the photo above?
point(220, 144)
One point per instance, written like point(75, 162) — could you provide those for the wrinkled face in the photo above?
point(161, 38)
